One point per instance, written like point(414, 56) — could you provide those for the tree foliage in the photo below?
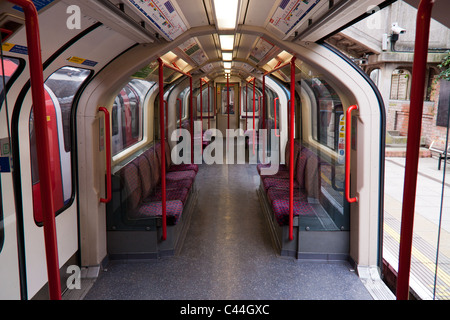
point(445, 68)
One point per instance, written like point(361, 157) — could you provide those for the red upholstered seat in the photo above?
point(281, 210)
point(283, 194)
point(154, 209)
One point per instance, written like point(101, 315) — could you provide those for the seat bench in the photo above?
point(136, 204)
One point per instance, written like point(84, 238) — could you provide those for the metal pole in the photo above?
point(228, 100)
point(163, 152)
point(291, 153)
point(412, 146)
point(191, 115)
point(42, 142)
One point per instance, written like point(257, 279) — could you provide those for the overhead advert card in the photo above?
point(290, 12)
point(161, 14)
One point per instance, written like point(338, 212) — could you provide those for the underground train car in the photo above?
point(203, 147)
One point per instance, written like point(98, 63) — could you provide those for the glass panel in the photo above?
point(224, 96)
point(248, 100)
point(10, 66)
point(127, 115)
point(204, 105)
point(323, 155)
point(60, 90)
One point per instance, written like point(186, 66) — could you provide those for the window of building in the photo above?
point(400, 84)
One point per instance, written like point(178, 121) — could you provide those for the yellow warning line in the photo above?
point(420, 256)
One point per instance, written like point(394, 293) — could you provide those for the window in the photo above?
point(248, 99)
point(60, 90)
point(128, 115)
point(10, 66)
point(400, 84)
point(327, 113)
point(204, 106)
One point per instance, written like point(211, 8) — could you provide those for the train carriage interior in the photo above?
point(225, 140)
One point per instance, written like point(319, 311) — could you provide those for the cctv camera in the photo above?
point(396, 29)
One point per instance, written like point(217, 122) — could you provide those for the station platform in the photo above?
point(426, 226)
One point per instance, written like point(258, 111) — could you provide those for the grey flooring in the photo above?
point(228, 254)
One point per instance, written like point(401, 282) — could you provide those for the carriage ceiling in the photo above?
point(253, 22)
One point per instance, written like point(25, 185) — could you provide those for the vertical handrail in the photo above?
point(348, 142)
point(291, 153)
point(275, 115)
point(191, 115)
point(209, 107)
point(42, 142)
point(181, 114)
point(254, 109)
point(228, 102)
point(166, 112)
point(412, 146)
point(163, 151)
point(201, 112)
point(107, 142)
point(264, 103)
point(246, 106)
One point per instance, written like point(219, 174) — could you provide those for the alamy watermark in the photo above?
point(233, 143)
point(74, 19)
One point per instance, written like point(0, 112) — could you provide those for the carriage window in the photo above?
point(327, 110)
point(60, 90)
point(127, 115)
point(248, 100)
point(10, 66)
point(204, 106)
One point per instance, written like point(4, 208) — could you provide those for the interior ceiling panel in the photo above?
point(259, 11)
point(289, 20)
point(246, 44)
point(194, 12)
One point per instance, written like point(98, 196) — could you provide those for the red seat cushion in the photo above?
point(154, 209)
point(171, 194)
point(183, 167)
point(283, 194)
point(281, 210)
point(278, 183)
point(180, 175)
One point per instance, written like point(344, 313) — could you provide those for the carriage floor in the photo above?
point(227, 254)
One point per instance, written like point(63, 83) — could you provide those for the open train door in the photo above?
point(9, 275)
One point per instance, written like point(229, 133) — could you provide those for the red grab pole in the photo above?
point(163, 152)
point(42, 142)
point(191, 115)
point(181, 111)
point(348, 142)
point(412, 146)
point(254, 109)
point(275, 115)
point(228, 101)
point(291, 153)
point(108, 155)
point(246, 106)
point(201, 108)
point(264, 103)
point(209, 107)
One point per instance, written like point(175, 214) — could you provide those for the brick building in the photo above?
point(387, 57)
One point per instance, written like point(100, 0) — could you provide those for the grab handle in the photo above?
point(108, 155)
point(348, 140)
point(275, 115)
